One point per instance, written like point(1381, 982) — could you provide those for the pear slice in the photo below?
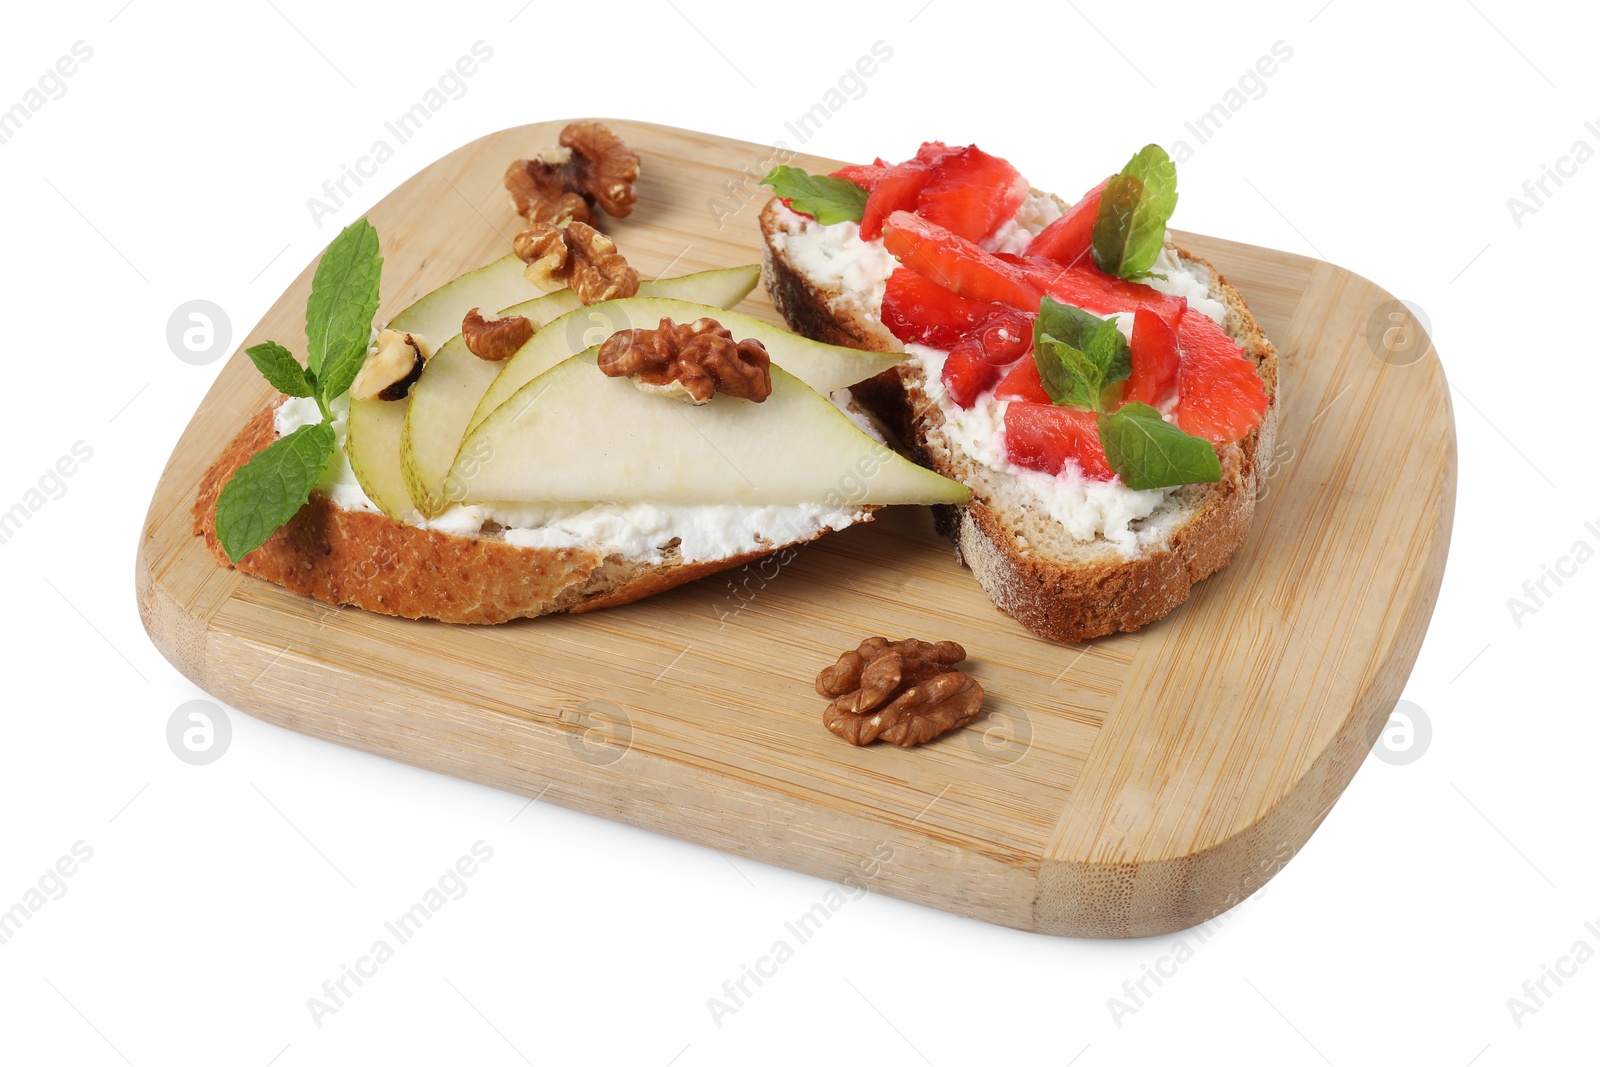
point(437, 316)
point(444, 399)
point(574, 434)
point(372, 441)
point(823, 367)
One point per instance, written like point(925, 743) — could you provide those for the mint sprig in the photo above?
point(276, 482)
point(828, 200)
point(1148, 452)
point(1080, 357)
point(1131, 225)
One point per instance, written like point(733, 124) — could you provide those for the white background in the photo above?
point(177, 165)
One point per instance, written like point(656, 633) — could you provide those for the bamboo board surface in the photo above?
point(1134, 785)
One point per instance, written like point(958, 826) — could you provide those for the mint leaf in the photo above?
point(1131, 225)
point(828, 200)
point(344, 298)
point(1066, 373)
point(1079, 355)
point(266, 492)
point(281, 370)
point(1147, 452)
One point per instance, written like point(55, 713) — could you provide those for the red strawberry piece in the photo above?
point(971, 192)
point(966, 373)
point(1154, 353)
point(897, 190)
point(935, 152)
point(1023, 383)
point(1067, 239)
point(1092, 289)
point(866, 175)
point(1220, 395)
point(919, 309)
point(977, 361)
point(956, 263)
point(1044, 437)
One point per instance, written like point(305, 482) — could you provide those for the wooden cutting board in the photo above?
point(1134, 785)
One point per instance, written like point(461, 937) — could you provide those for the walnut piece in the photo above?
point(391, 368)
point(590, 165)
point(903, 692)
point(495, 339)
point(577, 256)
point(691, 362)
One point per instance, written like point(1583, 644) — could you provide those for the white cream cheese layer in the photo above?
point(640, 532)
point(835, 257)
point(1131, 519)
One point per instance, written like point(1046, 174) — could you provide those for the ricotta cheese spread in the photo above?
point(1131, 519)
point(639, 532)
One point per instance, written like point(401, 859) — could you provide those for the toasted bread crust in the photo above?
point(370, 561)
point(1064, 600)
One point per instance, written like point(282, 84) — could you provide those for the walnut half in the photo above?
point(577, 256)
point(692, 362)
point(495, 339)
point(904, 692)
point(590, 166)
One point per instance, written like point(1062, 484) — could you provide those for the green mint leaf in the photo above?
point(1065, 322)
point(1067, 375)
point(1108, 350)
point(281, 370)
point(828, 200)
point(1079, 355)
point(1147, 452)
point(266, 492)
point(344, 298)
point(1131, 226)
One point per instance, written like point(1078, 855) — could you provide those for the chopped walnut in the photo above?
point(590, 165)
point(692, 362)
point(578, 256)
point(391, 368)
point(904, 692)
point(495, 339)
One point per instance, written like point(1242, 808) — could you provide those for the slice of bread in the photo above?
point(1055, 584)
point(369, 560)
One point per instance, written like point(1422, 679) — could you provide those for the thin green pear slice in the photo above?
point(574, 434)
point(372, 441)
point(444, 399)
point(823, 367)
point(436, 419)
point(437, 316)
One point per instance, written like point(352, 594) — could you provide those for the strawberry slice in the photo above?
point(897, 190)
point(1092, 289)
point(956, 263)
point(921, 310)
point(935, 152)
point(1044, 437)
point(866, 175)
point(966, 373)
point(1067, 239)
point(1154, 353)
point(971, 192)
point(977, 361)
point(1220, 395)
point(1023, 383)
